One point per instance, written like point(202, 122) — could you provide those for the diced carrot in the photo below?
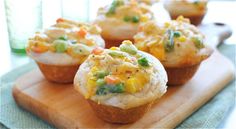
point(111, 79)
point(90, 43)
point(60, 20)
point(82, 33)
point(97, 50)
point(40, 48)
point(140, 28)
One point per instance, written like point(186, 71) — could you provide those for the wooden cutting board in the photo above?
point(63, 107)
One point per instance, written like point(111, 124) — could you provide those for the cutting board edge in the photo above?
point(189, 110)
point(30, 105)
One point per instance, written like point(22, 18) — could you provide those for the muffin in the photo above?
point(60, 49)
point(177, 44)
point(195, 10)
point(120, 20)
point(121, 83)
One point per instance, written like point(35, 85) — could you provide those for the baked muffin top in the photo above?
point(120, 20)
point(68, 39)
point(129, 11)
point(185, 7)
point(175, 43)
point(121, 76)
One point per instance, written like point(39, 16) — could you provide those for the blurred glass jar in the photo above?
point(24, 17)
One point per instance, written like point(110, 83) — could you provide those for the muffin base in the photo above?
point(117, 115)
point(114, 43)
point(194, 19)
point(58, 74)
point(180, 75)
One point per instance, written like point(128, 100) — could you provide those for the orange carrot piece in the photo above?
point(97, 50)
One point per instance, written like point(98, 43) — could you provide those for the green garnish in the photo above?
point(197, 42)
point(143, 62)
point(126, 18)
point(177, 34)
point(135, 19)
point(100, 82)
point(60, 46)
point(105, 89)
point(118, 88)
point(169, 44)
point(129, 48)
point(101, 74)
point(113, 7)
point(196, 2)
point(116, 54)
point(63, 38)
point(102, 90)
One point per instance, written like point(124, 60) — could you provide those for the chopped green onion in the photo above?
point(197, 42)
point(100, 82)
point(102, 90)
point(60, 46)
point(135, 19)
point(114, 4)
point(129, 48)
point(169, 44)
point(177, 34)
point(143, 62)
point(63, 38)
point(105, 89)
point(101, 74)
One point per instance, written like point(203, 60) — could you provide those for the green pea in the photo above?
point(129, 48)
point(60, 46)
point(143, 62)
point(118, 88)
point(100, 82)
point(135, 19)
point(101, 74)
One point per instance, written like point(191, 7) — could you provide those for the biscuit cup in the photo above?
point(117, 115)
point(58, 73)
point(195, 19)
point(180, 75)
point(113, 43)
